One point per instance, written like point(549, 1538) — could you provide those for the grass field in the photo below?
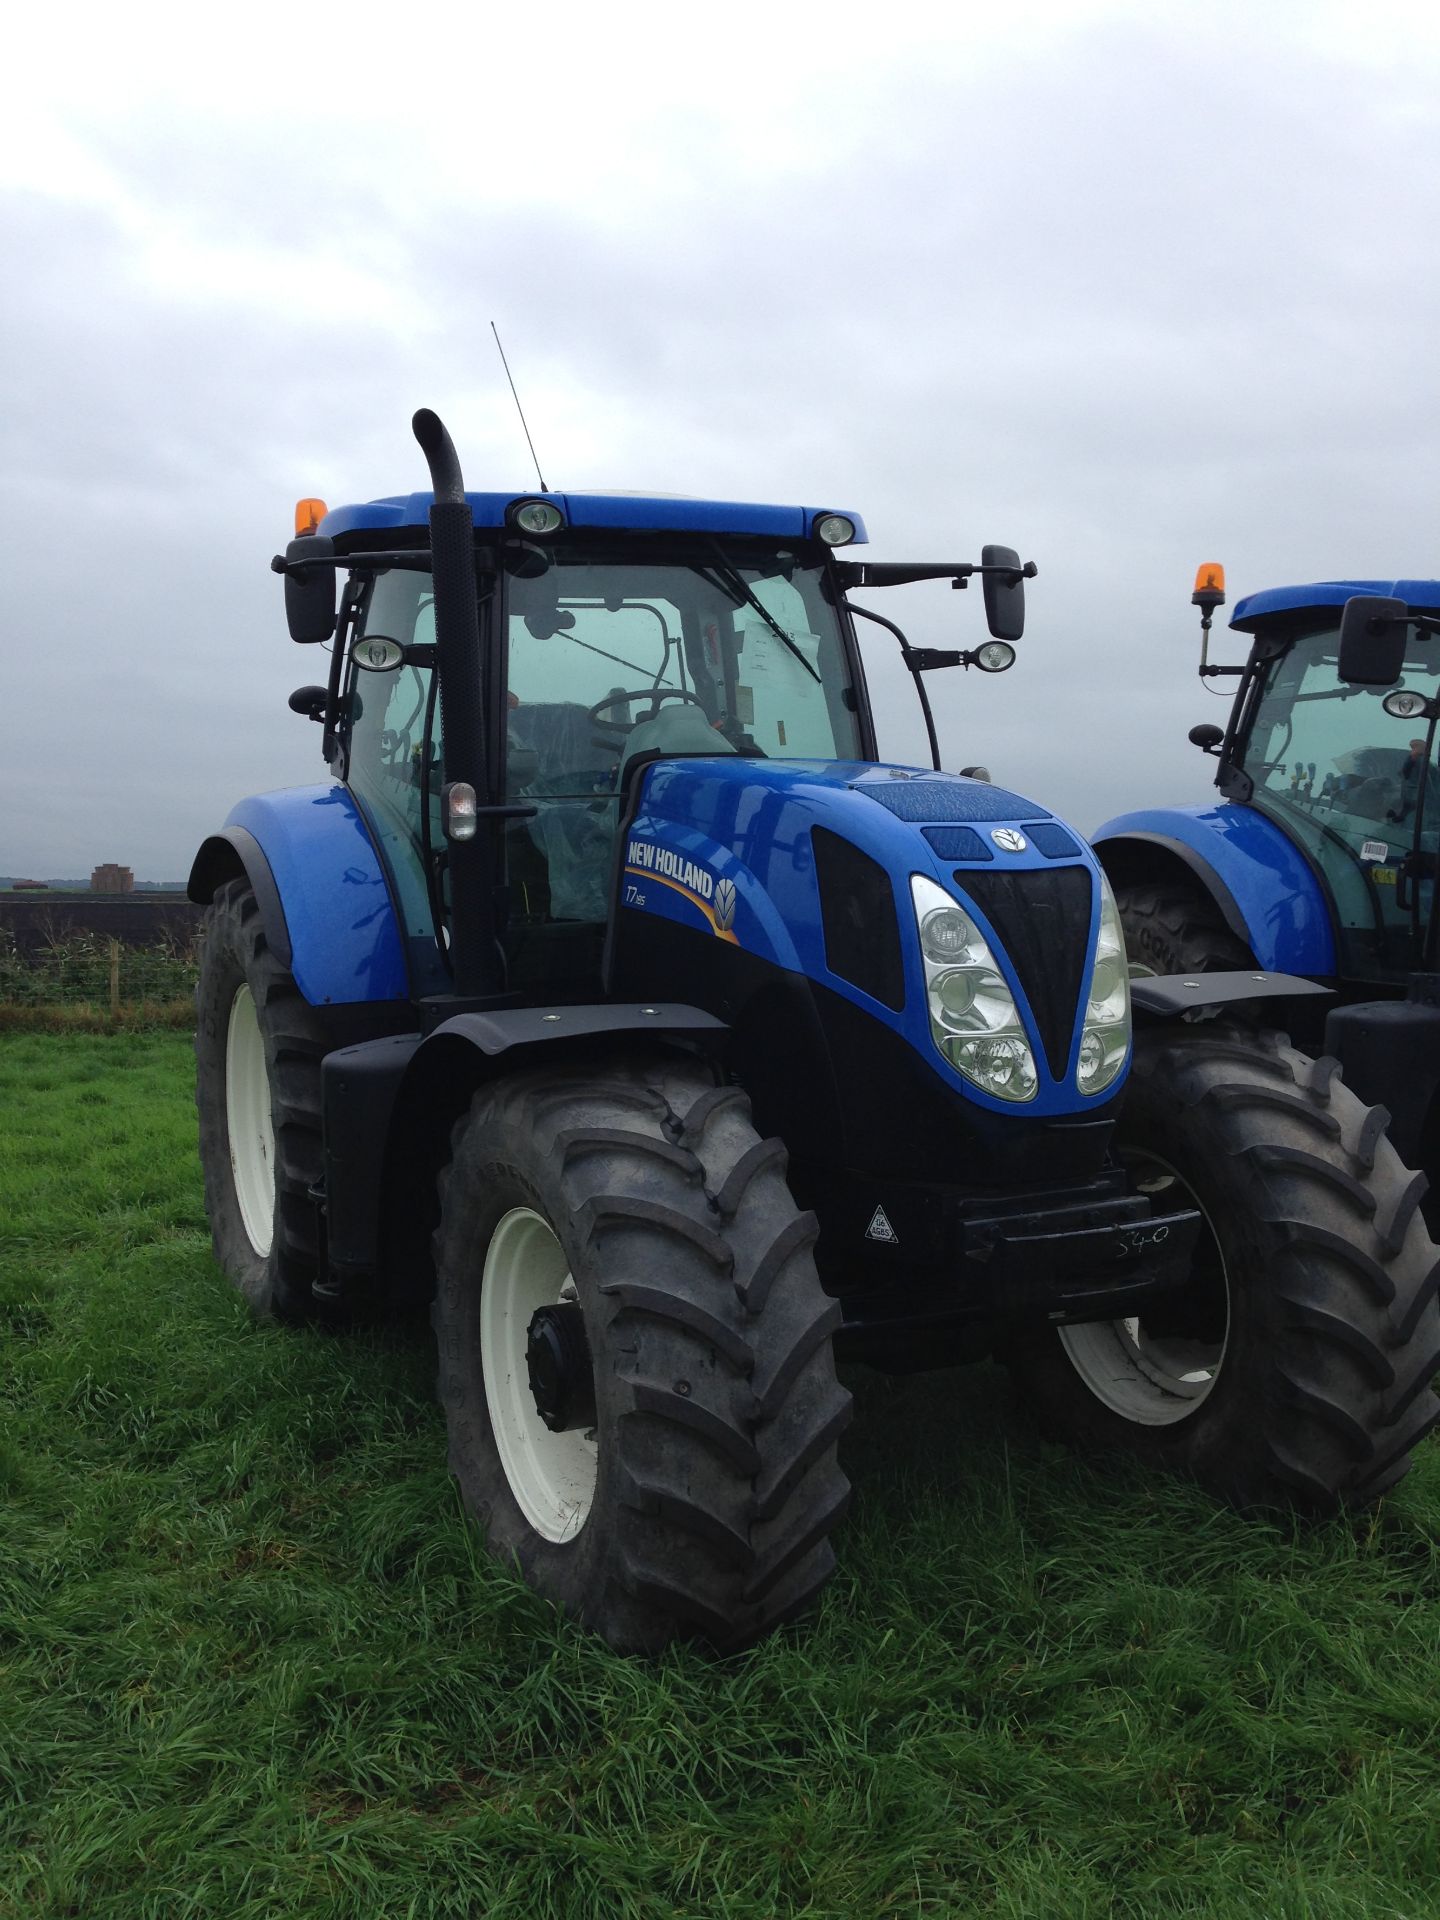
point(252, 1665)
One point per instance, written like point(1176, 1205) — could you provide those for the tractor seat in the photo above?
point(1370, 799)
point(676, 728)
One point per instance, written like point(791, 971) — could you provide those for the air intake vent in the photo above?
point(1051, 839)
point(857, 911)
point(921, 801)
point(1043, 922)
point(958, 843)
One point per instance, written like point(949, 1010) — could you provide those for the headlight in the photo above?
point(1105, 1038)
point(945, 934)
point(973, 1017)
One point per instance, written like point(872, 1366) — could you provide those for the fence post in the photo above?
point(115, 981)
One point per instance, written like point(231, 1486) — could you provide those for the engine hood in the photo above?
point(734, 846)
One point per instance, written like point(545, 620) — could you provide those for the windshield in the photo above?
point(750, 645)
point(1342, 778)
point(716, 652)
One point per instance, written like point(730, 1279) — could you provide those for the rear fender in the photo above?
point(1262, 885)
point(322, 893)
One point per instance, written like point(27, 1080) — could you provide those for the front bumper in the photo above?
point(915, 1258)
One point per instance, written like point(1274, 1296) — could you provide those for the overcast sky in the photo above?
point(1126, 286)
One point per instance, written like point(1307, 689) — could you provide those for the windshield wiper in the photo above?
point(734, 585)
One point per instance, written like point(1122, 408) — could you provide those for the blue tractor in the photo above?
point(614, 999)
point(1320, 858)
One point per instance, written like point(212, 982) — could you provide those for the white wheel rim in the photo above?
point(248, 1121)
point(552, 1475)
point(1152, 1380)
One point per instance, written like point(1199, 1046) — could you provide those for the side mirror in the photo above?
point(1207, 736)
point(1373, 632)
point(310, 701)
point(310, 591)
point(1004, 592)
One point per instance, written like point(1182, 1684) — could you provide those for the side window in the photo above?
point(1345, 776)
point(388, 743)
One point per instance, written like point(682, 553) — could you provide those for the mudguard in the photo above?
point(1171, 996)
point(1266, 890)
point(326, 907)
point(407, 1092)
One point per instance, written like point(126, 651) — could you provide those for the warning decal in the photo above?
point(881, 1229)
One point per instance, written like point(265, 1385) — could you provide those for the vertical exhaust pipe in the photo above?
point(476, 957)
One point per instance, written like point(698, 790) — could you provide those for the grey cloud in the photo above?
point(1127, 303)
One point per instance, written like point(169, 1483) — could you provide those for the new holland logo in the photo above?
point(668, 865)
point(1009, 839)
point(724, 905)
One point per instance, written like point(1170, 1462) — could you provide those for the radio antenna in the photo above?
point(518, 408)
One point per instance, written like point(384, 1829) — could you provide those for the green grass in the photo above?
point(251, 1663)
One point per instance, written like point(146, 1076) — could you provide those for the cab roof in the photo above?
point(1256, 608)
point(636, 512)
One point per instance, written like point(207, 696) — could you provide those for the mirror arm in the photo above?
point(910, 656)
point(898, 573)
point(417, 557)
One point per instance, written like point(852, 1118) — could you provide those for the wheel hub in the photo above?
point(557, 1358)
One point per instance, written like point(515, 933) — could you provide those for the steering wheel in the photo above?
point(653, 694)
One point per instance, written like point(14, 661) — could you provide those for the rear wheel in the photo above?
point(634, 1352)
point(258, 1048)
point(1294, 1369)
point(1177, 928)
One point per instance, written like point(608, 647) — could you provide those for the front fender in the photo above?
point(1262, 884)
point(318, 881)
point(401, 1096)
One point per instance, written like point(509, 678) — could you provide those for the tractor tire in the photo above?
point(258, 1048)
point(1177, 929)
point(635, 1200)
point(1294, 1369)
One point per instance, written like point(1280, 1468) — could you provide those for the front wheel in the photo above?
point(634, 1353)
point(1294, 1367)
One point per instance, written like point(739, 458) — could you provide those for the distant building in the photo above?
point(31, 886)
point(112, 879)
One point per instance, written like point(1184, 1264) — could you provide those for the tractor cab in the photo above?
point(614, 650)
point(1321, 859)
point(1344, 772)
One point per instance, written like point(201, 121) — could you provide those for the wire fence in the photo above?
point(89, 980)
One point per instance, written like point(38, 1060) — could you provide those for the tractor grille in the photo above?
point(1043, 922)
point(857, 912)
